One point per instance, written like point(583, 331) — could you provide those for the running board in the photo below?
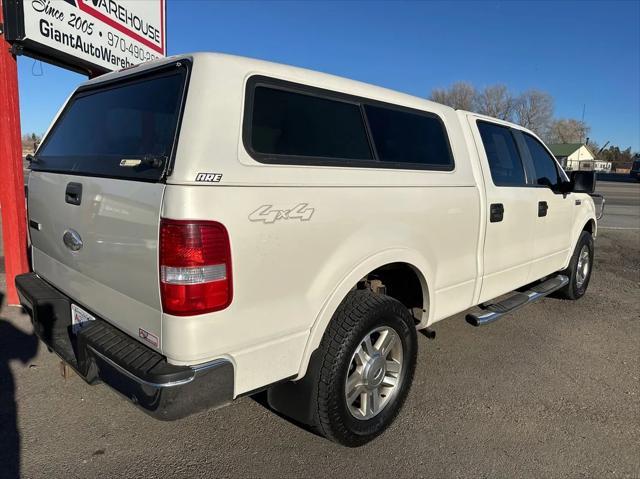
point(493, 311)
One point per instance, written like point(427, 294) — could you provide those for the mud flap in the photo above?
point(297, 399)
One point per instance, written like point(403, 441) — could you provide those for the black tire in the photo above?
point(576, 289)
point(361, 312)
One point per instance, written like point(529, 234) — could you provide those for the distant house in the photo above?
point(576, 156)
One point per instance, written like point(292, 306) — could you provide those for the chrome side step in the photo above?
point(494, 311)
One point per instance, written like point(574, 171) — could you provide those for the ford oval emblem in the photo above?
point(72, 240)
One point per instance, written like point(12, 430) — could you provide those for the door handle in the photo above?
point(73, 193)
point(543, 207)
point(496, 212)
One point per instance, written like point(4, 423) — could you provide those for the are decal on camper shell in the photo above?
point(209, 177)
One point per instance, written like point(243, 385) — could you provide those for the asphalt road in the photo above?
point(550, 391)
point(622, 208)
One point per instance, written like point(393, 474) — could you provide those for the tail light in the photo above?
point(195, 267)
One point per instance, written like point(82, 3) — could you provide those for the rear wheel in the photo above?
point(368, 357)
point(579, 270)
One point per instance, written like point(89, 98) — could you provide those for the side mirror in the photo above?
point(583, 181)
point(565, 187)
point(31, 159)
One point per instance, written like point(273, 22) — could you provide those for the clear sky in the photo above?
point(582, 53)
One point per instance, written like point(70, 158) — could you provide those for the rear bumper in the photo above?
point(99, 351)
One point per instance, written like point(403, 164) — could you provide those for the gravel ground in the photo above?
point(551, 391)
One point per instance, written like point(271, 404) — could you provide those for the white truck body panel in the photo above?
point(289, 275)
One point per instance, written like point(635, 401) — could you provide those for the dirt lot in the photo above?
point(552, 391)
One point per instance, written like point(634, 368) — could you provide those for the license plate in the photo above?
point(79, 318)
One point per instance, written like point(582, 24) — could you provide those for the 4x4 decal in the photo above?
point(267, 215)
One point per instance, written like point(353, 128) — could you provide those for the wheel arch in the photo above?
point(591, 227)
point(404, 257)
point(585, 222)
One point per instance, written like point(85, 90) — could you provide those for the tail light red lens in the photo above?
point(195, 267)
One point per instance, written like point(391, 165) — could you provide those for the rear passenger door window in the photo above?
point(500, 146)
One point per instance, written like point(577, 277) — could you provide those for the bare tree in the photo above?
point(568, 131)
point(460, 95)
point(534, 109)
point(496, 101)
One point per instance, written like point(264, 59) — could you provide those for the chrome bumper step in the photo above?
point(493, 311)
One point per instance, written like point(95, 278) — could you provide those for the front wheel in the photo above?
point(579, 270)
point(368, 361)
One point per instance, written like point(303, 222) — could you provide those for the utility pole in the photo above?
point(12, 201)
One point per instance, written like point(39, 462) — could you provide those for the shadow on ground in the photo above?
point(19, 346)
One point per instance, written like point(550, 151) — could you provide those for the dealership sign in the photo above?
point(91, 36)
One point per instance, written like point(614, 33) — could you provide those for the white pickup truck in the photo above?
point(206, 226)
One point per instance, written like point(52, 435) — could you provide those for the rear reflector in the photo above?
point(195, 267)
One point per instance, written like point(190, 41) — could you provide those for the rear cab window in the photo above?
point(290, 123)
point(122, 129)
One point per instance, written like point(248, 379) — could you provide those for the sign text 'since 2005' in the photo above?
point(89, 35)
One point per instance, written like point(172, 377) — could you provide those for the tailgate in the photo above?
point(95, 194)
point(114, 273)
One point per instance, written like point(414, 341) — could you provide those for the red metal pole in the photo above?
point(12, 201)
